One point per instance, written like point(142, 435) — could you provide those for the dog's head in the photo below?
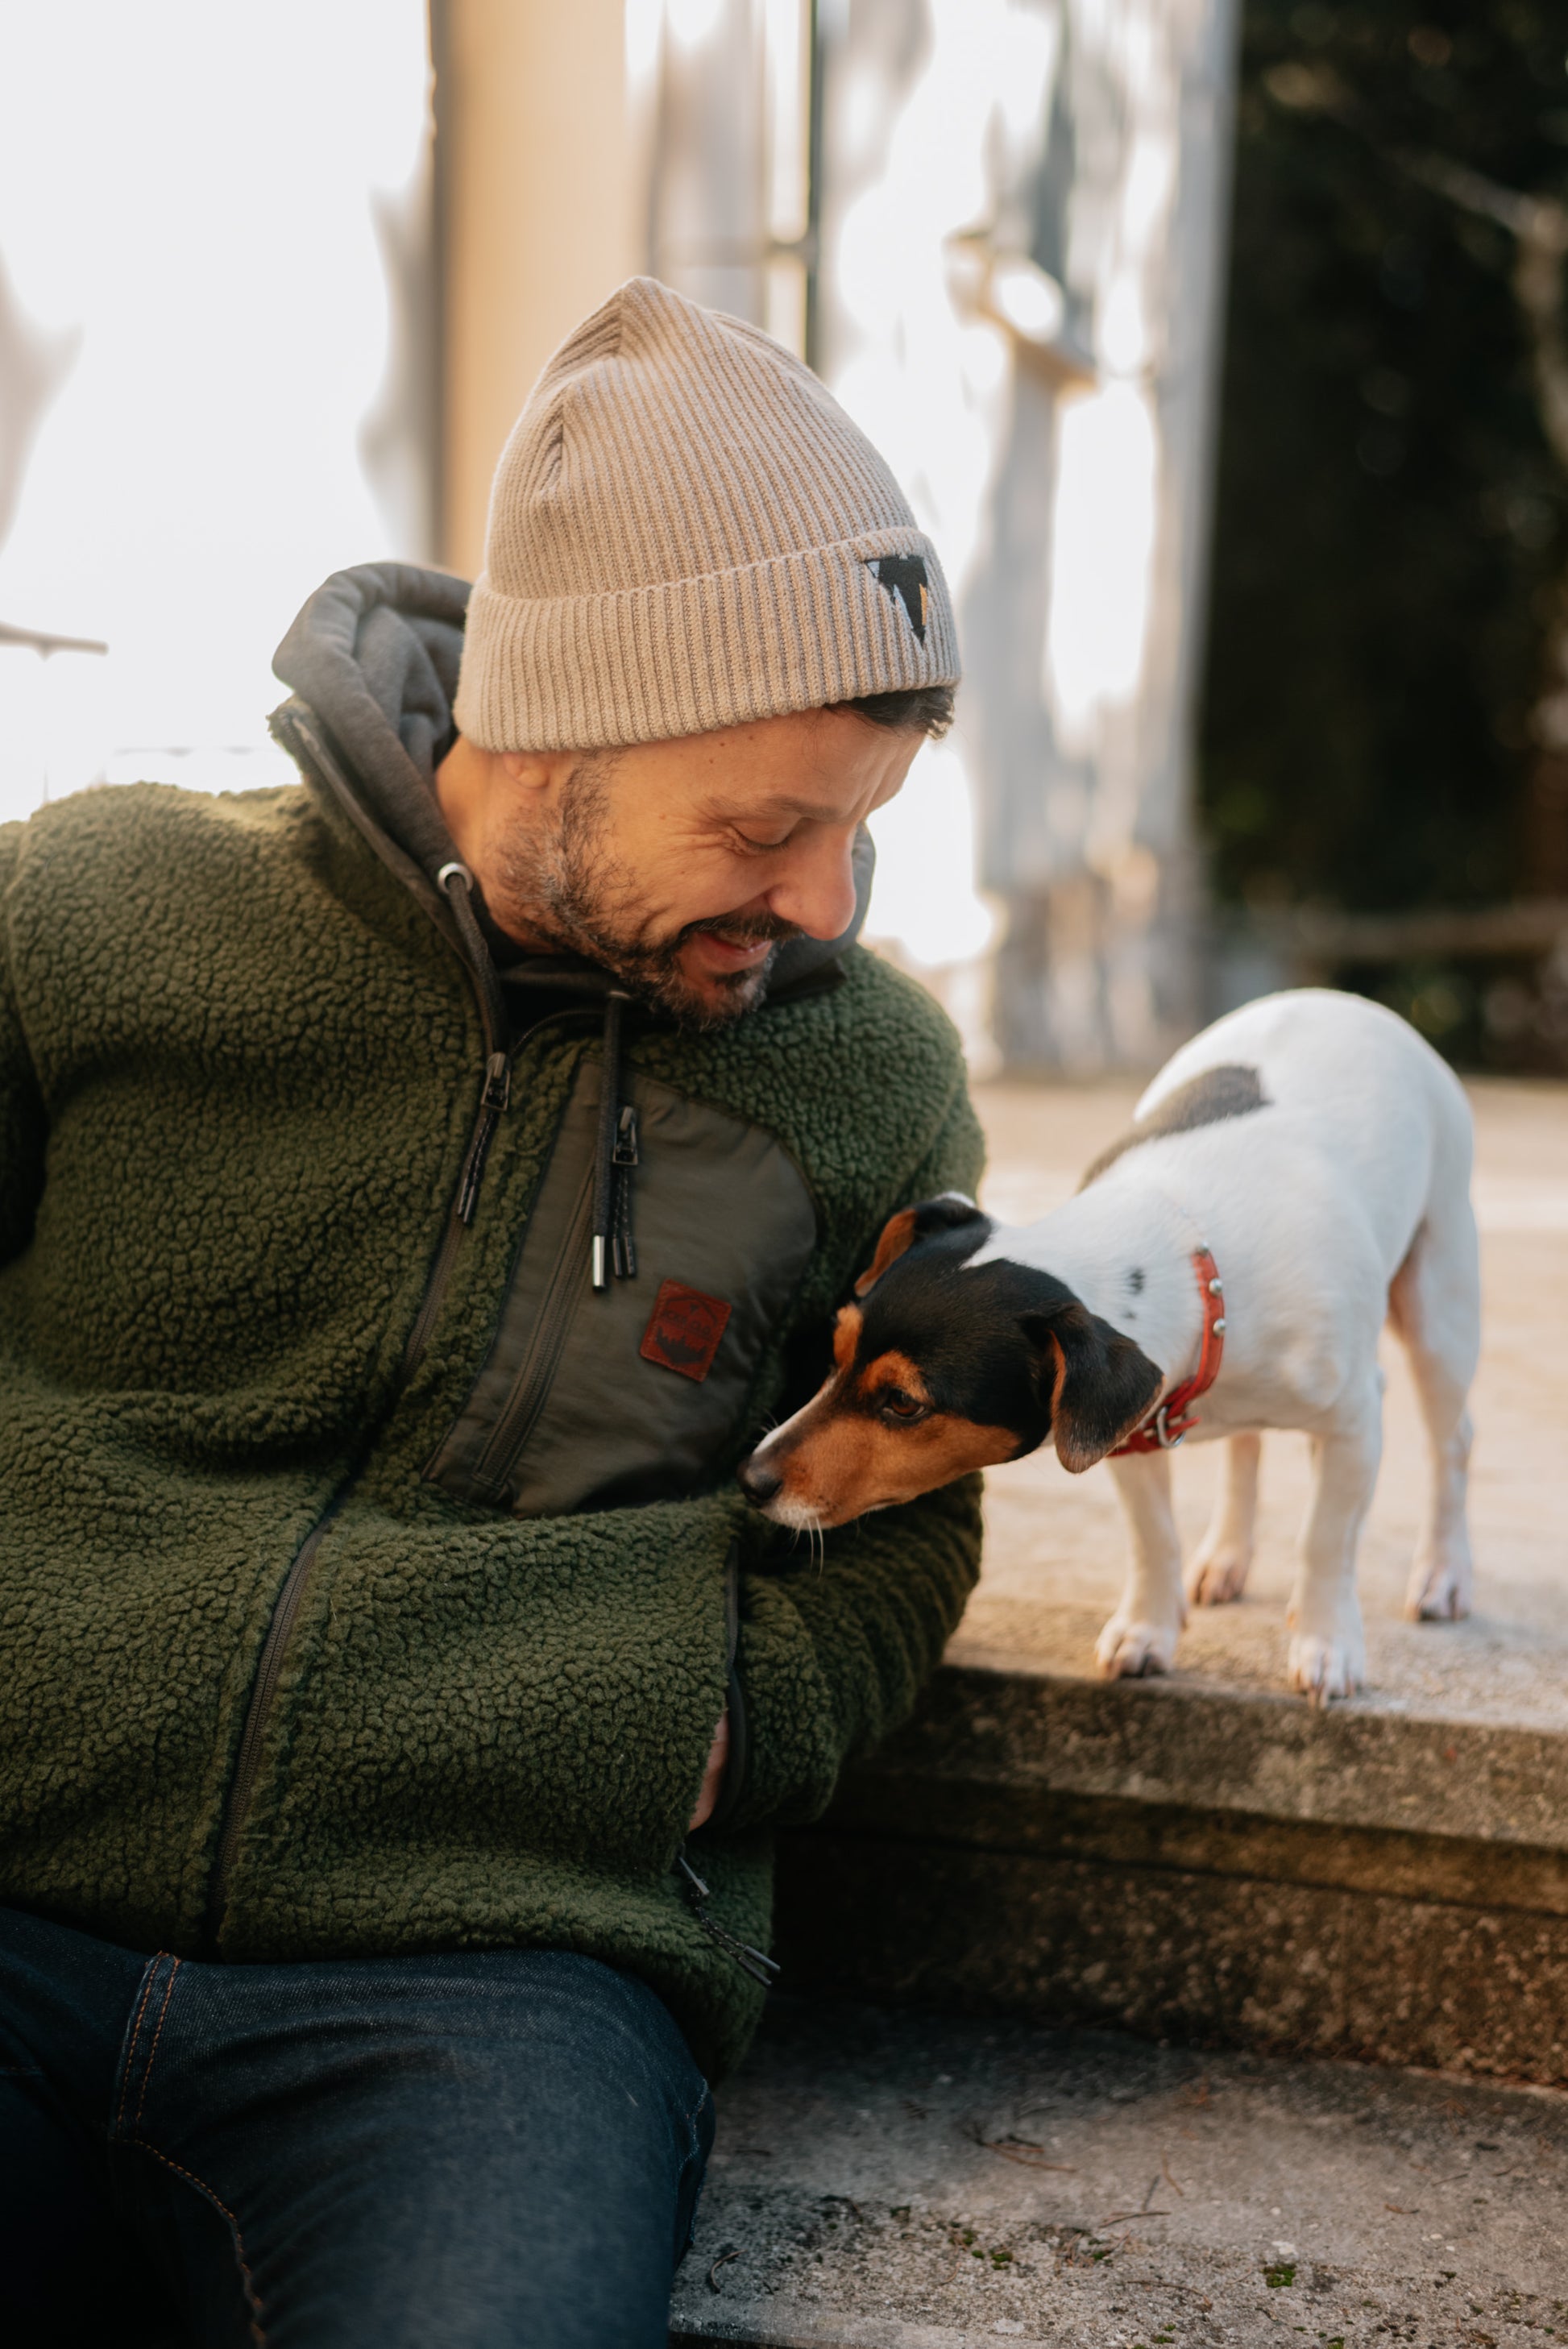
point(941, 1366)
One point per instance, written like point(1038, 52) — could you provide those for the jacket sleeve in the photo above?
point(834, 1651)
point(23, 1126)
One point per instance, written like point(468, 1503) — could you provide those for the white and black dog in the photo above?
point(1295, 1175)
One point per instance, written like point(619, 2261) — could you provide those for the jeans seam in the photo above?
point(691, 2117)
point(691, 2123)
point(247, 2280)
point(152, 2054)
point(148, 1978)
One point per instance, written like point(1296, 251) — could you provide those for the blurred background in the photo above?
point(1220, 344)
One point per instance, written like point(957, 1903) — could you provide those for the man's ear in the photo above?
point(1098, 1383)
point(946, 1213)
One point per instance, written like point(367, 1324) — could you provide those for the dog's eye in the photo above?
point(896, 1404)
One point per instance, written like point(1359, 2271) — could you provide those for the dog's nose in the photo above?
point(759, 1484)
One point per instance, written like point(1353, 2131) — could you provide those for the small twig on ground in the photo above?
point(1169, 2181)
point(1029, 2156)
point(731, 2252)
point(1022, 2150)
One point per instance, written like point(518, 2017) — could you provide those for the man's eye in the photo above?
point(897, 1404)
point(761, 847)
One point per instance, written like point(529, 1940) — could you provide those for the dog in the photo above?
point(1294, 1177)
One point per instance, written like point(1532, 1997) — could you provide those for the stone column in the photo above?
point(537, 215)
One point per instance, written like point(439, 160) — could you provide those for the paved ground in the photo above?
point(1054, 1549)
point(911, 2182)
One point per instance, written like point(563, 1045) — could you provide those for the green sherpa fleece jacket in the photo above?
point(282, 1675)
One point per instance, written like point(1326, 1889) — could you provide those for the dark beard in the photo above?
point(577, 895)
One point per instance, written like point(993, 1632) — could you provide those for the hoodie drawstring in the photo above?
point(614, 1247)
point(615, 1155)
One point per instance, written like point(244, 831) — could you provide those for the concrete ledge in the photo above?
point(1199, 1863)
point(1024, 1733)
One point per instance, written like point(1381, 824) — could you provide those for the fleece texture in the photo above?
point(239, 1068)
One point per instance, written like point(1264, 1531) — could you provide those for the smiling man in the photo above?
point(418, 1187)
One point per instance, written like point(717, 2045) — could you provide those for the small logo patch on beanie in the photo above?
point(683, 1331)
point(904, 577)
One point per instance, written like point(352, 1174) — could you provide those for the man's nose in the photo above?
point(757, 1484)
point(817, 892)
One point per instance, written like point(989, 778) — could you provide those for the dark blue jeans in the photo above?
point(442, 2152)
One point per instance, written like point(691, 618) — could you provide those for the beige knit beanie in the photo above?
point(686, 531)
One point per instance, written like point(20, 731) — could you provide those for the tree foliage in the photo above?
point(1392, 526)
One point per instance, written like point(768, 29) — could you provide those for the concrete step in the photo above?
point(1205, 1857)
point(898, 2181)
point(1195, 1863)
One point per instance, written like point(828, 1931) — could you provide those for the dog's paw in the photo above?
point(1127, 1651)
point(1322, 1669)
point(1217, 1577)
point(1438, 1590)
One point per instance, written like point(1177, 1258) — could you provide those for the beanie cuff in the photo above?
point(799, 631)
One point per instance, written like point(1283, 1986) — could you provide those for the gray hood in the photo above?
point(375, 654)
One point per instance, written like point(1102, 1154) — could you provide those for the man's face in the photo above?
point(683, 866)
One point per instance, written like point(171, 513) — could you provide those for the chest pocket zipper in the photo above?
point(493, 1476)
point(568, 1411)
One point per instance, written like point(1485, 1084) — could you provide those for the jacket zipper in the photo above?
point(285, 1612)
point(263, 1691)
point(537, 1375)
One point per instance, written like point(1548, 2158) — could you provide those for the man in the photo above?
point(415, 1190)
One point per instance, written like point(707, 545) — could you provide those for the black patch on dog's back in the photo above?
point(1229, 1089)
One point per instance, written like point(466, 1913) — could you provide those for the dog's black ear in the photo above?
point(946, 1213)
point(1098, 1384)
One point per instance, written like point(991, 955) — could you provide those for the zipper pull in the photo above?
point(625, 1152)
point(751, 1961)
point(497, 1094)
point(493, 1100)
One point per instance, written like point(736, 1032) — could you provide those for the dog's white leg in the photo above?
point(1328, 1653)
point(1434, 1303)
point(1141, 1635)
point(1218, 1571)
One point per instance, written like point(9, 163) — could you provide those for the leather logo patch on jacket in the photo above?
point(683, 1331)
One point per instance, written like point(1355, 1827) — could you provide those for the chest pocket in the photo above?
point(592, 1398)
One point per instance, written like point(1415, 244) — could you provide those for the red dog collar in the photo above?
point(1165, 1427)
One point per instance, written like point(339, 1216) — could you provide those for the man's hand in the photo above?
point(713, 1776)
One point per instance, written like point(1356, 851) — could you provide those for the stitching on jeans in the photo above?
point(152, 2057)
point(703, 2095)
point(252, 2295)
point(146, 1982)
point(691, 2119)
